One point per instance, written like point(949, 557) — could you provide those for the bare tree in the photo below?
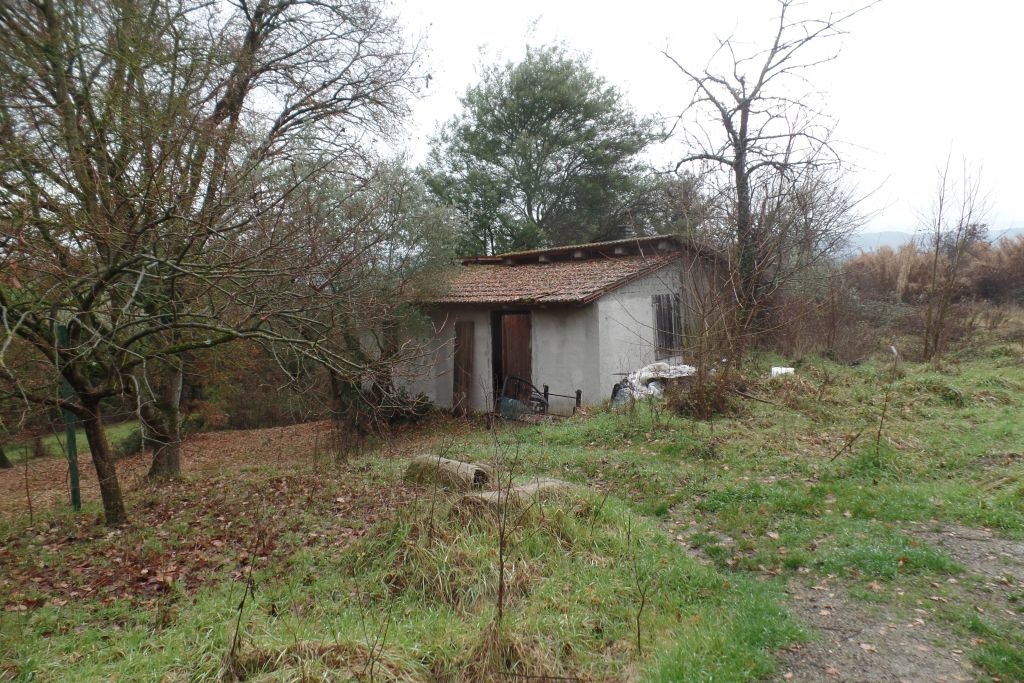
point(956, 222)
point(373, 247)
point(147, 150)
point(771, 153)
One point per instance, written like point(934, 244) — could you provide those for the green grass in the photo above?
point(54, 444)
point(804, 486)
point(575, 571)
point(778, 482)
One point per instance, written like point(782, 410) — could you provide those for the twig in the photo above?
point(888, 394)
point(377, 646)
point(641, 585)
point(28, 492)
point(230, 659)
point(849, 444)
point(541, 677)
point(771, 403)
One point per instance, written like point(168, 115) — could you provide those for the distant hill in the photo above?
point(1011, 233)
point(870, 241)
point(894, 239)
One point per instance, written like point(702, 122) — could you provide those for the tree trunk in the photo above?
point(162, 420)
point(110, 490)
point(5, 464)
point(166, 456)
point(347, 414)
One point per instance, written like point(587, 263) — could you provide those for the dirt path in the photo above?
point(999, 561)
point(858, 641)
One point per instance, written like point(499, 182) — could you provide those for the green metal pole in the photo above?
point(69, 431)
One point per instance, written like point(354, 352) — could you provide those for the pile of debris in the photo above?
point(649, 381)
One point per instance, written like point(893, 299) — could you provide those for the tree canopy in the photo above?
point(151, 159)
point(545, 152)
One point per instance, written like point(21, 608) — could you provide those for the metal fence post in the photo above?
point(69, 430)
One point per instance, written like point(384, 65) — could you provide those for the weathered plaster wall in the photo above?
point(626, 324)
point(565, 353)
point(433, 374)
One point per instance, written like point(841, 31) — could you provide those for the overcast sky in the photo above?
point(914, 80)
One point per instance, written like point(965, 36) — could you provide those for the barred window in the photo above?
point(668, 327)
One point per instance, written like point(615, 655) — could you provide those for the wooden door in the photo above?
point(462, 376)
point(515, 353)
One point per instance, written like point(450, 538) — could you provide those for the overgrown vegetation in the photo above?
point(411, 596)
point(354, 570)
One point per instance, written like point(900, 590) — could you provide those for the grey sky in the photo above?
point(914, 80)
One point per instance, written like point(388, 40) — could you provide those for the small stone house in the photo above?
point(568, 321)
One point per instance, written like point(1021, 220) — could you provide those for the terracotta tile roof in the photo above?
point(559, 282)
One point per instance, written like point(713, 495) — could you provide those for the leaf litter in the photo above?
point(226, 516)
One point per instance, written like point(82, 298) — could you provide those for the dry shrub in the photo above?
point(964, 320)
point(304, 656)
point(895, 292)
point(501, 654)
point(994, 316)
point(703, 399)
point(1013, 329)
point(833, 321)
point(856, 342)
point(992, 273)
point(243, 386)
point(208, 415)
point(996, 273)
point(899, 275)
point(793, 391)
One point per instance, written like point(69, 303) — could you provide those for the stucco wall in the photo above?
point(565, 345)
point(563, 342)
point(432, 375)
point(626, 324)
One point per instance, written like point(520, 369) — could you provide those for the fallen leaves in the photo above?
point(210, 526)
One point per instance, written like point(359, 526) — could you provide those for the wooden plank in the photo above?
point(516, 352)
point(667, 325)
point(463, 368)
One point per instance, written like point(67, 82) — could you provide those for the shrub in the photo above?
point(128, 445)
point(703, 398)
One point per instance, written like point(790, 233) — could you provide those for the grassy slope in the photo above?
point(337, 564)
point(773, 500)
point(18, 451)
point(341, 556)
